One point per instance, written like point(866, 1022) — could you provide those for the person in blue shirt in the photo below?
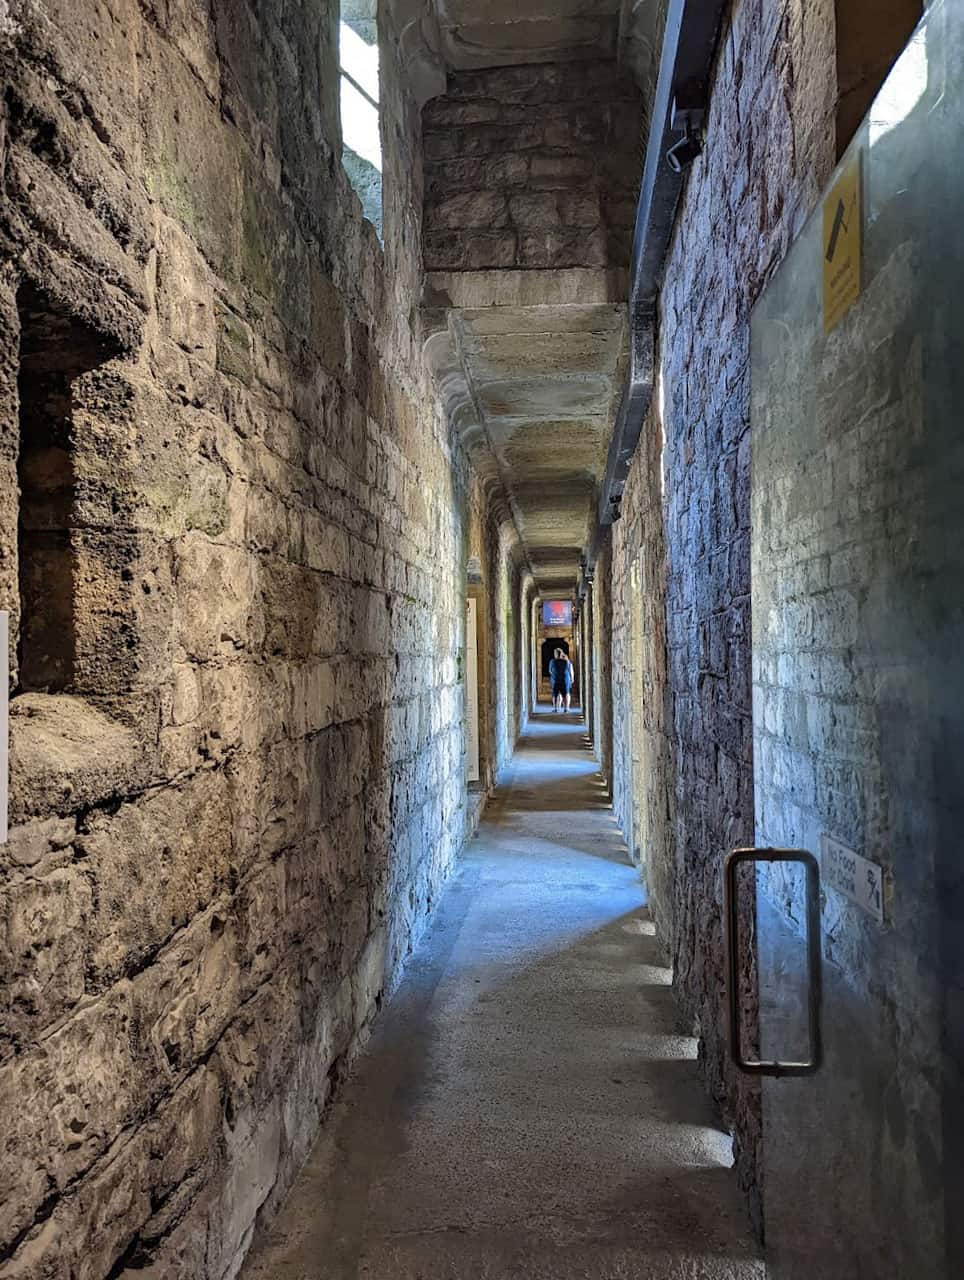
point(560, 678)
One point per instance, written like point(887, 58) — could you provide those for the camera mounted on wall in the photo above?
point(686, 117)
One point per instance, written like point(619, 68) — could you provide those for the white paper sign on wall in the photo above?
point(4, 720)
point(855, 877)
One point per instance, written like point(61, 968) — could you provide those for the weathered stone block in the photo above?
point(185, 293)
point(452, 251)
point(484, 208)
point(217, 603)
point(182, 1003)
point(55, 132)
point(535, 209)
point(327, 323)
point(188, 24)
point(87, 1087)
point(563, 248)
point(200, 188)
point(42, 953)
point(186, 701)
point(86, 51)
point(36, 842)
point(272, 262)
point(153, 866)
point(66, 755)
point(35, 188)
point(560, 170)
point(234, 346)
point(369, 980)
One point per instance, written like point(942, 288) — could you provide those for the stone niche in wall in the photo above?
point(54, 545)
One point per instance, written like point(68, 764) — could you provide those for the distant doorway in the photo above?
point(548, 649)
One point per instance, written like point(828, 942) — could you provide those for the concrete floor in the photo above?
point(527, 1106)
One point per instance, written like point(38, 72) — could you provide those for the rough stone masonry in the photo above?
point(231, 545)
point(789, 85)
point(769, 147)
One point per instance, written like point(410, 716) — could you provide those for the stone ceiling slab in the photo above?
point(556, 398)
point(487, 33)
point(542, 380)
point(557, 452)
point(456, 13)
point(552, 524)
point(561, 496)
point(573, 354)
point(542, 357)
point(553, 565)
point(544, 318)
point(555, 287)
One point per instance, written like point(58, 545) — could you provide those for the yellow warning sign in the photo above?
point(841, 244)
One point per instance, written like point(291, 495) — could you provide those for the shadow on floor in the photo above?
point(542, 1119)
point(553, 770)
point(528, 1106)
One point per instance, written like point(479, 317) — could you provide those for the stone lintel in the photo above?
point(503, 288)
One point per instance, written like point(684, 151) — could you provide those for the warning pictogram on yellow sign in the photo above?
point(841, 244)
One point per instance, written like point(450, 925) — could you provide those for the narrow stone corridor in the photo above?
point(374, 373)
point(527, 1105)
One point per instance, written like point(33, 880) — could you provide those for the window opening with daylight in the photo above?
point(361, 138)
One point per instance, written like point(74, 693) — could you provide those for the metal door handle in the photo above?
point(814, 983)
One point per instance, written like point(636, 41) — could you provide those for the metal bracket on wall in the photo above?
point(814, 973)
point(687, 117)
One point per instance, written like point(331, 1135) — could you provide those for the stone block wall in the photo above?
point(769, 149)
point(478, 552)
point(605, 677)
point(524, 651)
point(851, 595)
point(642, 771)
point(505, 630)
point(237, 776)
point(494, 544)
point(532, 167)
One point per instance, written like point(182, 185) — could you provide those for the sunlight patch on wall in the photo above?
point(902, 90)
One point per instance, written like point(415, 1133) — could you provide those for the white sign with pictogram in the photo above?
point(855, 877)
